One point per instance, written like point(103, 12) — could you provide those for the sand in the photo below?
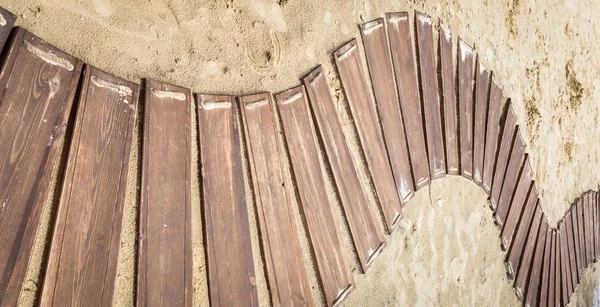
point(447, 250)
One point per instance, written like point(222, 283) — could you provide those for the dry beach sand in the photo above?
point(447, 251)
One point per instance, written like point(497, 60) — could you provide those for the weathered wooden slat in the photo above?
point(449, 100)
point(581, 234)
point(577, 241)
point(363, 111)
point(287, 276)
point(513, 170)
point(266, 166)
point(572, 251)
point(165, 244)
point(567, 287)
point(492, 134)
point(36, 99)
point(466, 58)
point(534, 283)
point(82, 265)
point(587, 227)
point(558, 271)
point(525, 184)
point(362, 218)
point(515, 252)
point(403, 59)
point(546, 296)
point(482, 87)
point(508, 136)
point(596, 226)
point(528, 252)
point(554, 283)
point(375, 41)
point(431, 102)
point(231, 275)
point(7, 21)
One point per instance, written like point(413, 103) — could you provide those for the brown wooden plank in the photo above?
point(93, 194)
point(528, 252)
point(572, 250)
point(533, 286)
point(7, 21)
point(362, 218)
point(596, 226)
point(519, 242)
point(482, 86)
point(376, 46)
point(546, 297)
point(449, 100)
point(513, 170)
point(165, 245)
point(231, 275)
point(587, 227)
point(557, 270)
point(287, 276)
point(492, 134)
point(36, 98)
point(355, 86)
point(581, 234)
point(508, 136)
point(466, 58)
point(403, 59)
point(566, 277)
point(525, 184)
point(431, 102)
point(577, 240)
point(554, 283)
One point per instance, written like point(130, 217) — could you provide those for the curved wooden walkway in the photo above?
point(422, 111)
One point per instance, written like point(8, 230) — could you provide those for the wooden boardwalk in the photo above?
point(419, 113)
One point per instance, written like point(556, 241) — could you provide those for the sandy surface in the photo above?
point(447, 251)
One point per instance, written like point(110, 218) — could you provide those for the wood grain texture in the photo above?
point(525, 184)
point(466, 59)
point(545, 272)
point(565, 263)
point(301, 138)
point(519, 242)
point(403, 59)
point(513, 171)
point(7, 21)
point(577, 241)
point(534, 284)
point(362, 107)
point(587, 214)
point(508, 137)
point(431, 102)
point(581, 234)
point(82, 265)
point(558, 271)
point(366, 231)
point(165, 244)
point(449, 105)
point(492, 134)
point(522, 276)
point(596, 224)
point(228, 247)
point(36, 99)
point(374, 37)
point(553, 283)
point(571, 251)
point(261, 137)
point(482, 87)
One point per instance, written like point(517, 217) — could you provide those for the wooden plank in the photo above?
point(492, 134)
point(513, 170)
point(515, 252)
point(466, 108)
point(349, 66)
point(403, 59)
point(528, 252)
point(7, 21)
point(482, 86)
point(286, 273)
point(266, 165)
point(36, 98)
point(376, 46)
point(577, 241)
point(596, 226)
point(572, 258)
point(165, 244)
point(525, 184)
point(557, 270)
point(546, 297)
point(449, 100)
point(587, 227)
point(431, 102)
point(533, 286)
point(554, 283)
point(93, 194)
point(231, 275)
point(581, 235)
point(566, 277)
point(362, 218)
point(508, 136)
